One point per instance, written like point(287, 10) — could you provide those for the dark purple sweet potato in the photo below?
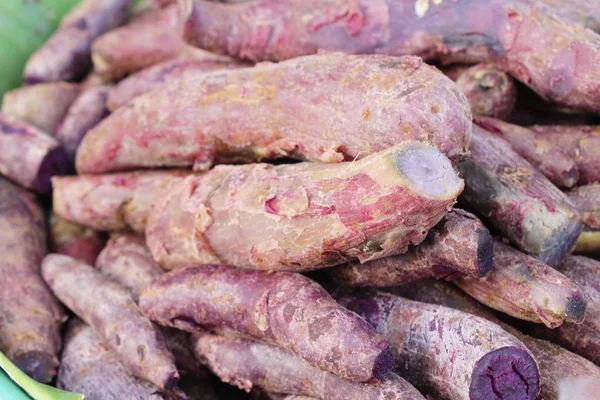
point(67, 54)
point(270, 111)
point(456, 355)
point(518, 200)
point(247, 364)
point(75, 240)
point(551, 161)
point(586, 199)
point(43, 106)
point(459, 246)
point(110, 310)
point(30, 316)
point(559, 60)
point(525, 288)
point(28, 156)
point(283, 308)
point(85, 113)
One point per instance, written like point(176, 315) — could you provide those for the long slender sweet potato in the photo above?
point(555, 363)
point(582, 143)
point(75, 240)
point(181, 68)
point(329, 108)
point(587, 200)
point(458, 246)
point(517, 199)
point(88, 366)
point(283, 308)
point(67, 54)
point(247, 364)
point(85, 113)
point(456, 354)
point(28, 156)
point(30, 316)
point(558, 60)
point(525, 288)
point(551, 161)
point(110, 310)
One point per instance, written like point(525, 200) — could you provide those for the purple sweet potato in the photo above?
point(517, 199)
point(490, 91)
point(581, 12)
point(67, 54)
point(559, 60)
point(30, 316)
point(582, 143)
point(551, 161)
point(85, 113)
point(525, 288)
point(458, 246)
point(346, 108)
point(88, 366)
point(587, 200)
point(28, 156)
point(456, 355)
point(109, 309)
point(247, 364)
point(75, 240)
point(43, 106)
point(282, 308)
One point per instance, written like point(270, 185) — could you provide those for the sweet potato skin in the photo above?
point(279, 110)
point(29, 157)
point(248, 364)
point(119, 321)
point(75, 240)
point(281, 308)
point(580, 12)
point(586, 200)
point(460, 245)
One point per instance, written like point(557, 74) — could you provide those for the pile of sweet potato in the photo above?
point(306, 199)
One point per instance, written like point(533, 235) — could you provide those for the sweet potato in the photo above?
point(67, 54)
point(582, 12)
point(247, 364)
point(560, 61)
point(85, 113)
point(181, 68)
point(587, 200)
point(28, 156)
point(43, 106)
point(456, 354)
point(110, 310)
point(88, 366)
point(579, 388)
point(282, 308)
point(75, 240)
point(582, 143)
point(551, 161)
point(346, 108)
point(30, 315)
point(517, 199)
point(458, 246)
point(525, 288)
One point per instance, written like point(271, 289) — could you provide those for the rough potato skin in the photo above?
point(525, 288)
point(66, 55)
point(326, 107)
point(28, 156)
point(30, 315)
point(110, 310)
point(457, 355)
point(563, 68)
point(43, 106)
point(581, 12)
point(517, 199)
point(282, 308)
point(110, 202)
point(581, 142)
point(303, 216)
point(490, 91)
point(586, 199)
point(85, 113)
point(460, 245)
point(248, 364)
point(75, 240)
point(88, 366)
